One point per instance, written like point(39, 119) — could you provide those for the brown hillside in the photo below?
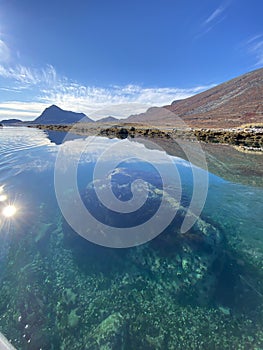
point(236, 102)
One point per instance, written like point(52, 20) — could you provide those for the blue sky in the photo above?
point(118, 57)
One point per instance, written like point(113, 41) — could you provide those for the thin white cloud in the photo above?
point(34, 107)
point(29, 76)
point(22, 106)
point(117, 101)
point(46, 87)
point(254, 38)
point(4, 52)
point(96, 102)
point(213, 19)
point(255, 48)
point(214, 15)
point(17, 114)
point(10, 89)
point(21, 110)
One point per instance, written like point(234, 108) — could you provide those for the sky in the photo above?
point(119, 57)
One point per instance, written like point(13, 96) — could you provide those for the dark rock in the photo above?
point(122, 133)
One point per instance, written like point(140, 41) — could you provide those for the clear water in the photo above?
point(196, 290)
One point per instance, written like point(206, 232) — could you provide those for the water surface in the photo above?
point(201, 289)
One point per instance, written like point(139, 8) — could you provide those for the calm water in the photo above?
point(201, 289)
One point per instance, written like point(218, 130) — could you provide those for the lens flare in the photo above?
point(9, 211)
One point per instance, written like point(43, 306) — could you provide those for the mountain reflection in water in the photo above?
point(199, 289)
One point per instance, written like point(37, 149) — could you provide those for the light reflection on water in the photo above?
point(59, 291)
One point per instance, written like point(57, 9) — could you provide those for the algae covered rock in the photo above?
point(68, 296)
point(73, 319)
point(109, 334)
point(181, 262)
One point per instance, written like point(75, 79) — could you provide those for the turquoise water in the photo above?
point(201, 289)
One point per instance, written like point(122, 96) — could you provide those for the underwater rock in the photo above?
point(73, 318)
point(68, 296)
point(225, 310)
point(109, 334)
point(182, 263)
point(43, 232)
point(185, 264)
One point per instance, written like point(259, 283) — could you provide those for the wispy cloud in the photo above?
point(118, 101)
point(96, 102)
point(213, 19)
point(20, 110)
point(29, 76)
point(214, 15)
point(41, 87)
point(17, 114)
point(255, 48)
point(4, 52)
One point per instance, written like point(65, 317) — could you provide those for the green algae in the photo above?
point(199, 290)
point(143, 298)
point(73, 318)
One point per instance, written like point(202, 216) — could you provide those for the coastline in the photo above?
point(245, 139)
point(232, 161)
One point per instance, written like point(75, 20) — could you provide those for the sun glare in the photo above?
point(9, 211)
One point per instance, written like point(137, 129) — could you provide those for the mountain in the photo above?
point(56, 115)
point(11, 121)
point(108, 120)
point(233, 103)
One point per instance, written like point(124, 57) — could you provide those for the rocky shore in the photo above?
point(234, 161)
point(249, 138)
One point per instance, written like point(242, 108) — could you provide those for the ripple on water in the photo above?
point(19, 150)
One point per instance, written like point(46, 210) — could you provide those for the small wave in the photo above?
point(18, 148)
point(19, 139)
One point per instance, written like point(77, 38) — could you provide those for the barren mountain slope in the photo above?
point(233, 103)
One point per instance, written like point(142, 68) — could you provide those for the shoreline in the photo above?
point(228, 161)
point(244, 139)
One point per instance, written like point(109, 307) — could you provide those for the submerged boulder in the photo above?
point(109, 334)
point(182, 263)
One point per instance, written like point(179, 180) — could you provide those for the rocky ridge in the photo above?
point(230, 104)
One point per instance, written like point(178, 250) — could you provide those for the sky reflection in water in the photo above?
point(43, 261)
